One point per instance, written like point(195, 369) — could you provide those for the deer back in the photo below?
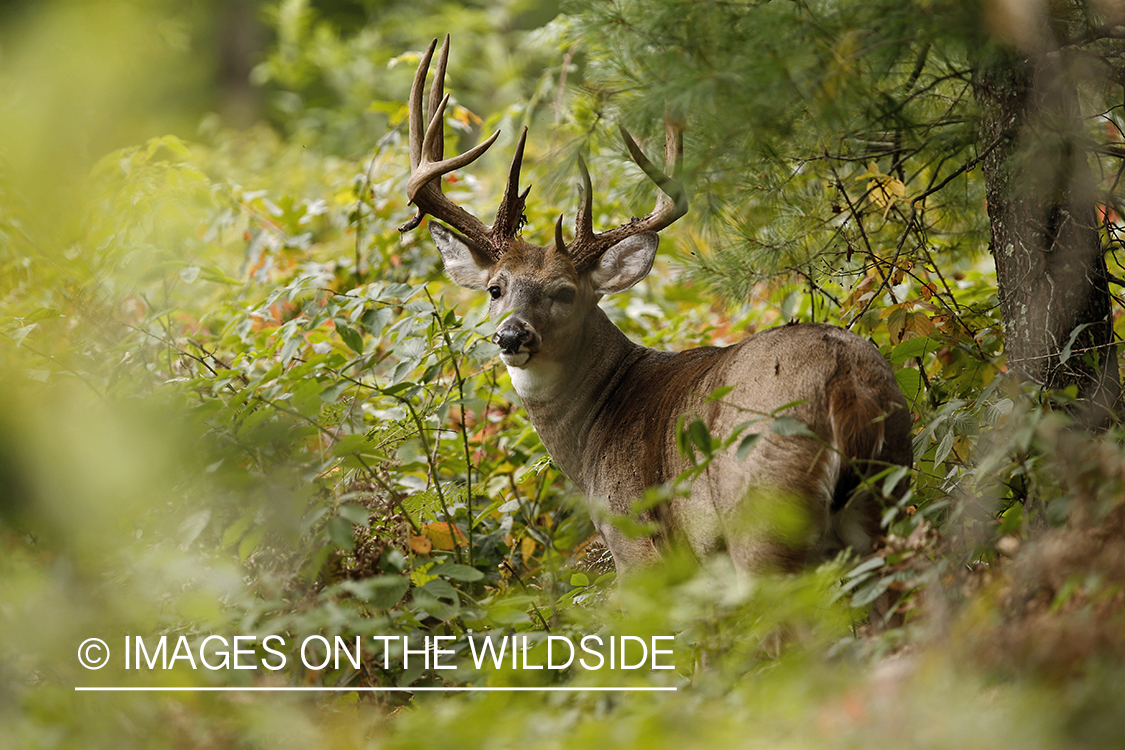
point(840, 388)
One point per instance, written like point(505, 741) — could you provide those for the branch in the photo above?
point(1094, 33)
point(957, 172)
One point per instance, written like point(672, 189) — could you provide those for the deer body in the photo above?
point(625, 441)
point(606, 408)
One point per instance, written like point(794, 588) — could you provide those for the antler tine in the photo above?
point(437, 150)
point(584, 221)
point(509, 216)
point(435, 133)
point(415, 115)
point(671, 204)
point(427, 164)
point(560, 244)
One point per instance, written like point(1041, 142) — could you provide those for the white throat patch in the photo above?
point(535, 382)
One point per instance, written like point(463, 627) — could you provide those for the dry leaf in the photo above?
point(442, 534)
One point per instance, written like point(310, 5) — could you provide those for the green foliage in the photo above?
point(336, 80)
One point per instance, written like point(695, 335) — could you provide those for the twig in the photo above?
point(519, 580)
point(958, 172)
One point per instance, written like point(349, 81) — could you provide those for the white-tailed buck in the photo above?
point(607, 408)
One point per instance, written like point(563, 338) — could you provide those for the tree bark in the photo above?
point(1050, 264)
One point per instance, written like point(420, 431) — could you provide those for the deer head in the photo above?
point(542, 294)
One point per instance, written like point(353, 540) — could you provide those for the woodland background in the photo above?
point(235, 400)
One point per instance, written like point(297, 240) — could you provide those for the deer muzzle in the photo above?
point(517, 341)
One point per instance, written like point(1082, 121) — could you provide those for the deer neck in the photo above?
point(564, 396)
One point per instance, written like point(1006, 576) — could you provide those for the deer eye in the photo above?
point(565, 296)
point(495, 292)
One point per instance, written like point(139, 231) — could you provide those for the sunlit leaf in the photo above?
point(444, 535)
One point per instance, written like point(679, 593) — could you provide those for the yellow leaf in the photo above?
point(886, 190)
point(465, 117)
point(896, 322)
point(443, 535)
point(527, 548)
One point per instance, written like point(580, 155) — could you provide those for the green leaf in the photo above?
point(861, 571)
point(912, 348)
point(381, 592)
point(683, 446)
point(306, 397)
point(339, 532)
point(350, 337)
point(292, 344)
point(893, 479)
point(20, 334)
point(375, 320)
point(579, 579)
point(909, 381)
point(790, 427)
point(332, 392)
point(786, 407)
point(1064, 355)
point(945, 445)
point(719, 393)
point(746, 445)
point(193, 526)
point(217, 276)
point(43, 313)
point(700, 436)
point(171, 144)
point(236, 530)
point(506, 614)
point(438, 598)
point(398, 388)
point(350, 444)
point(871, 592)
point(249, 543)
point(355, 513)
point(401, 370)
point(457, 572)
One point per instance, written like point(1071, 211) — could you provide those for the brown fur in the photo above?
point(860, 419)
point(606, 409)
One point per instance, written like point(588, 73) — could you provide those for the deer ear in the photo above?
point(464, 262)
point(625, 263)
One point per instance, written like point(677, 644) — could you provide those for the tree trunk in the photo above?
point(1050, 263)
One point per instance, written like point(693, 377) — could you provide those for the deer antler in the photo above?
point(427, 165)
point(672, 203)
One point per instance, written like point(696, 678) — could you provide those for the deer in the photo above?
point(607, 409)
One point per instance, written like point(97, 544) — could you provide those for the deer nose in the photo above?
point(512, 335)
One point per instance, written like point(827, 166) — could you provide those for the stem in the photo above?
point(433, 474)
point(523, 585)
point(460, 382)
